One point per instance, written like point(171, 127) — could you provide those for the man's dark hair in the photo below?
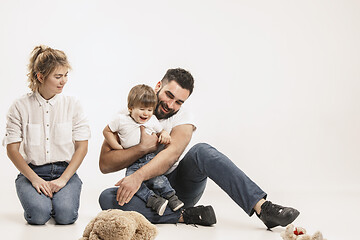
point(181, 76)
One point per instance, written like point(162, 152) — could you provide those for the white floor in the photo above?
point(333, 213)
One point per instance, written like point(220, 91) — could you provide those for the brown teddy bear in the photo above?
point(299, 233)
point(117, 224)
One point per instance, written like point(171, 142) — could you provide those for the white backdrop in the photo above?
point(276, 82)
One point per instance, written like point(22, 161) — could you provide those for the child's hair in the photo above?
point(142, 96)
point(44, 60)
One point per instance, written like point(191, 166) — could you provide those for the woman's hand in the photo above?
point(57, 184)
point(42, 186)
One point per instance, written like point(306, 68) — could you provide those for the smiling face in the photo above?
point(141, 114)
point(54, 83)
point(170, 98)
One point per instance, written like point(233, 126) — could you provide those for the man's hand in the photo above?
point(128, 186)
point(148, 143)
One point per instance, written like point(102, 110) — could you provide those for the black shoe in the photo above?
point(157, 203)
point(199, 215)
point(275, 215)
point(174, 203)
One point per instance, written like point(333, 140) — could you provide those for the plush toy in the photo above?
point(117, 224)
point(299, 234)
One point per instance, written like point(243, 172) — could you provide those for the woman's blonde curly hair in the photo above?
point(44, 60)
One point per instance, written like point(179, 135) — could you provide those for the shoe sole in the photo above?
point(162, 208)
point(272, 224)
point(178, 207)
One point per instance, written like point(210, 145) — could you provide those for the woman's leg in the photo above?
point(66, 202)
point(37, 207)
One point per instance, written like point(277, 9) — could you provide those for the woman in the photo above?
point(46, 139)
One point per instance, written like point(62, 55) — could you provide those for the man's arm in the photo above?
point(163, 161)
point(114, 160)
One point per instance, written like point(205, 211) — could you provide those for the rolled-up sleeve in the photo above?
point(13, 126)
point(81, 128)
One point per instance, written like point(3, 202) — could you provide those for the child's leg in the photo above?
point(162, 187)
point(37, 207)
point(152, 200)
point(144, 192)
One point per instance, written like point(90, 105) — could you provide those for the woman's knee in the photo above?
point(38, 215)
point(66, 214)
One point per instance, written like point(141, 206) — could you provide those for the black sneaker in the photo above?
point(157, 203)
point(275, 215)
point(199, 215)
point(174, 203)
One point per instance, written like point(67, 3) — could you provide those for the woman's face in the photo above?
point(54, 83)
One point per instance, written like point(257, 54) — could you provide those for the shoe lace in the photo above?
point(273, 209)
point(186, 216)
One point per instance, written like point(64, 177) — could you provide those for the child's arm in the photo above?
point(164, 137)
point(111, 139)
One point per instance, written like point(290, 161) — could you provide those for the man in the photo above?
point(188, 177)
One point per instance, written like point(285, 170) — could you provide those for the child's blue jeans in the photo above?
point(159, 185)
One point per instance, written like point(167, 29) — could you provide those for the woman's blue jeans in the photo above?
point(189, 181)
point(38, 208)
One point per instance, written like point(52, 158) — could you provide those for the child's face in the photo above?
point(141, 114)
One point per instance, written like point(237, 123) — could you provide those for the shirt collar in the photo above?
point(42, 100)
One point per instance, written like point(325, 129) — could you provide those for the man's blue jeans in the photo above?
point(159, 185)
point(38, 208)
point(189, 181)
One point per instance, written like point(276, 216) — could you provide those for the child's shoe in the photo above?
point(157, 203)
point(174, 203)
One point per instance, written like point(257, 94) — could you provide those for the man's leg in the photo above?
point(107, 200)
point(202, 161)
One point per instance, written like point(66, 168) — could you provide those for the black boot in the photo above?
point(274, 215)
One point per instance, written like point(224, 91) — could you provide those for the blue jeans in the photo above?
point(38, 208)
point(159, 185)
point(189, 181)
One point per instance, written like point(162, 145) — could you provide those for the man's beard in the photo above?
point(162, 115)
point(158, 111)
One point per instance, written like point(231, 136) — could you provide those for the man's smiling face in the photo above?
point(170, 98)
